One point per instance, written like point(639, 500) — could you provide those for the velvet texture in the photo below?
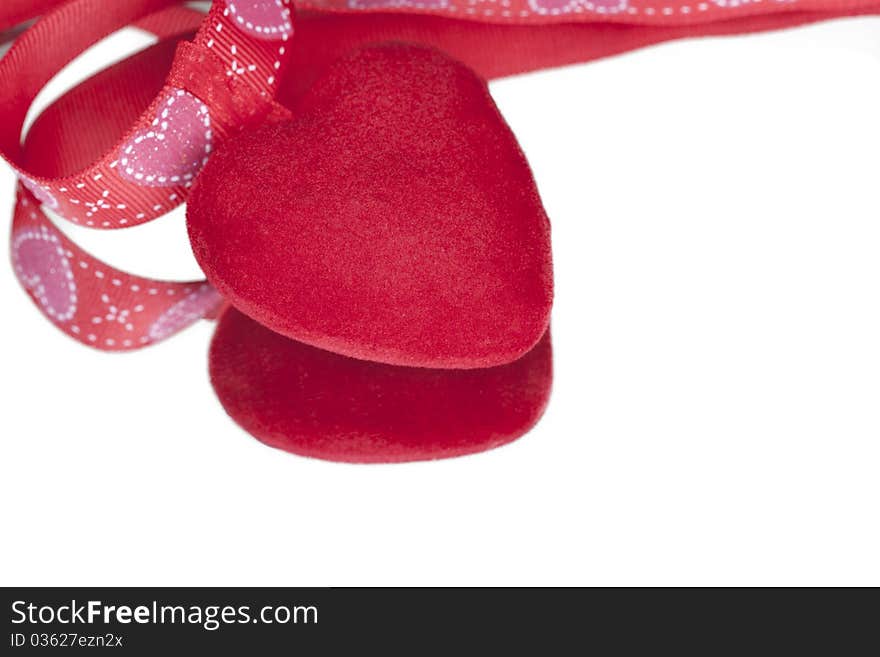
point(395, 219)
point(314, 403)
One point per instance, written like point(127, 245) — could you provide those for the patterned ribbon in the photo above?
point(220, 82)
point(213, 75)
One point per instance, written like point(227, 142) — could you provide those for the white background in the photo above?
point(716, 413)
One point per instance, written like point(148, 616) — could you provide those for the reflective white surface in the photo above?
point(716, 414)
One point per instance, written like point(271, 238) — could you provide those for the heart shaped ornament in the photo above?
point(395, 219)
point(313, 403)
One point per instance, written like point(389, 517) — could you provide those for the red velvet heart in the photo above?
point(315, 403)
point(395, 219)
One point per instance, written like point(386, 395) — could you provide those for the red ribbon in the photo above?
point(220, 82)
point(131, 166)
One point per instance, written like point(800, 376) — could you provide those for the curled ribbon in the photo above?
point(219, 82)
point(227, 78)
point(356, 392)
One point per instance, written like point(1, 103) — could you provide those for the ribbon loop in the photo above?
point(233, 67)
point(216, 86)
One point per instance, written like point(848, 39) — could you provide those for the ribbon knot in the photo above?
point(234, 105)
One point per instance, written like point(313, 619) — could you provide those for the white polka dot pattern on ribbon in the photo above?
point(557, 7)
point(263, 19)
point(651, 11)
point(175, 147)
point(42, 266)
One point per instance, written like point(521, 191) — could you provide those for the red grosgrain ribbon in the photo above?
point(648, 12)
point(15, 12)
point(541, 12)
point(230, 71)
point(496, 50)
point(93, 303)
point(221, 82)
point(131, 166)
